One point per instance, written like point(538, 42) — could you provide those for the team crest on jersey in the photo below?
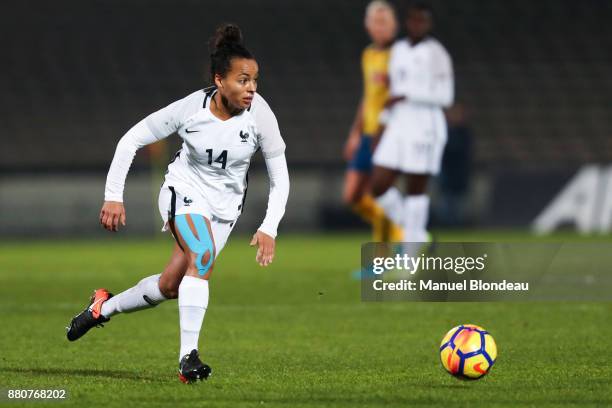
point(244, 136)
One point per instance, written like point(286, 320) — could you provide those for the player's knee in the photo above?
point(201, 247)
point(417, 184)
point(169, 288)
point(206, 264)
point(350, 197)
point(201, 263)
point(379, 189)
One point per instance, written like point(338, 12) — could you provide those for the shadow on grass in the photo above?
point(80, 372)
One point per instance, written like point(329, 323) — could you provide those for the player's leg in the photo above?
point(416, 207)
point(357, 174)
point(194, 235)
point(147, 293)
point(172, 275)
point(423, 148)
point(390, 200)
point(150, 291)
point(387, 196)
point(355, 183)
point(356, 194)
point(387, 161)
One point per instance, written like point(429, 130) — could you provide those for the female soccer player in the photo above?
point(381, 25)
point(203, 193)
point(421, 85)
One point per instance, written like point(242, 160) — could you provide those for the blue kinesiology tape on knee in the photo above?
point(202, 229)
point(197, 246)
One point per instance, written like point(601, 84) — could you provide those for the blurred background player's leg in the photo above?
point(416, 213)
point(388, 197)
point(411, 210)
point(356, 194)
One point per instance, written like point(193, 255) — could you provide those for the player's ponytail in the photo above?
point(225, 44)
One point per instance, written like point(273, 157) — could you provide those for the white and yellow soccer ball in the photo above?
point(468, 351)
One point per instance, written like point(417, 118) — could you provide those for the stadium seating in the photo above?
point(535, 76)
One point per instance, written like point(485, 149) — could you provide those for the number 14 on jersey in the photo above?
point(221, 159)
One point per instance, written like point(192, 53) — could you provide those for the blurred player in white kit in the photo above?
point(412, 140)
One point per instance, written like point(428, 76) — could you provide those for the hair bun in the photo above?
point(226, 35)
point(225, 44)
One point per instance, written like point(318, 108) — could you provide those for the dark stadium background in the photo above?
point(534, 77)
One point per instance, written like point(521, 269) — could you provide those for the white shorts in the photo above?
point(413, 145)
point(177, 200)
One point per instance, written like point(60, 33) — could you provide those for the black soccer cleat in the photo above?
point(90, 317)
point(192, 369)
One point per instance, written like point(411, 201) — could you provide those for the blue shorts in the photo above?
point(362, 160)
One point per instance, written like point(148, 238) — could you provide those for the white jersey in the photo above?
point(415, 133)
point(215, 155)
point(423, 73)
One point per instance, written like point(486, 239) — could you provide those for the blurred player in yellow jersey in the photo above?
point(381, 25)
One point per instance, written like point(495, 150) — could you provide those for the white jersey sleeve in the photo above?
point(154, 127)
point(269, 137)
point(439, 88)
point(273, 149)
point(168, 120)
point(135, 138)
point(279, 192)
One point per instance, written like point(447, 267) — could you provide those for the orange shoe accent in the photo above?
point(183, 378)
point(100, 296)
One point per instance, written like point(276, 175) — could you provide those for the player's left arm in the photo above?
point(439, 89)
point(273, 149)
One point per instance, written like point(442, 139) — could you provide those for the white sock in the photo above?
point(144, 295)
point(391, 202)
point(415, 217)
point(192, 301)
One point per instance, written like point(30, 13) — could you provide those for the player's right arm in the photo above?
point(154, 127)
point(354, 136)
point(352, 142)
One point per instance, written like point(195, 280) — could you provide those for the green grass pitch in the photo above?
point(294, 334)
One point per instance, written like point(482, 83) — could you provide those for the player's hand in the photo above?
point(351, 145)
point(265, 248)
point(111, 215)
point(393, 100)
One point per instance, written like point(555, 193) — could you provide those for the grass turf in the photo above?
point(294, 334)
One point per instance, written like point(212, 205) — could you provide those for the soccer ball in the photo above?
point(468, 351)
